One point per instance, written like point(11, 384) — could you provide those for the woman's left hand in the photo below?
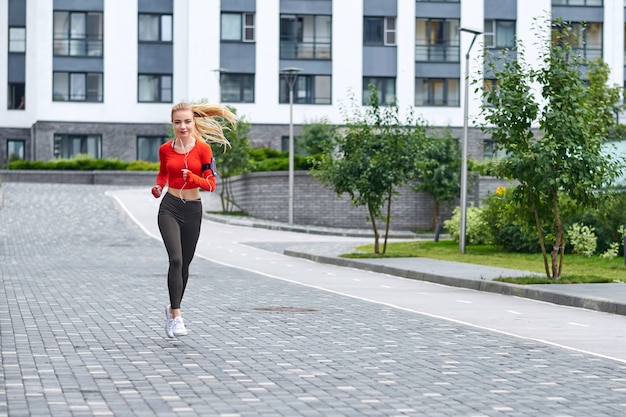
point(186, 173)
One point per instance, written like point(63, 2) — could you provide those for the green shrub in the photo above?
point(476, 226)
point(583, 239)
point(510, 227)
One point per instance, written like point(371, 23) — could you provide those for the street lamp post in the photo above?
point(290, 75)
point(463, 202)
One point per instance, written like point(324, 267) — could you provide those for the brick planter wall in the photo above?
point(265, 195)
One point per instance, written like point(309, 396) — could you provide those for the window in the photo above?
point(155, 88)
point(437, 40)
point(584, 38)
point(379, 31)
point(577, 2)
point(78, 33)
point(237, 88)
point(16, 96)
point(499, 33)
point(155, 27)
point(15, 150)
point(491, 150)
point(68, 146)
point(77, 86)
point(148, 147)
point(489, 85)
point(305, 37)
point(308, 89)
point(238, 27)
point(385, 87)
point(437, 92)
point(439, 1)
point(17, 39)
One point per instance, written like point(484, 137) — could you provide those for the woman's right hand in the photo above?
point(156, 191)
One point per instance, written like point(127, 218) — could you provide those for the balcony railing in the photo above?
point(305, 50)
point(77, 47)
point(437, 53)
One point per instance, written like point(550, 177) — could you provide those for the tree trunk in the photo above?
point(540, 234)
point(436, 215)
point(559, 242)
point(375, 229)
point(388, 220)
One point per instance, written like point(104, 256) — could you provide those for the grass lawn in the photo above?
point(576, 268)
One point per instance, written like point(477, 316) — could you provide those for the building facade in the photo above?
point(100, 76)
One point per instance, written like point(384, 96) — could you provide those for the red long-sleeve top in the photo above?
point(198, 161)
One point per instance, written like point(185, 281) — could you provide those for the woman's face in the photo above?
point(183, 123)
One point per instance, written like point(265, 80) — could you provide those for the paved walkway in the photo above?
point(81, 299)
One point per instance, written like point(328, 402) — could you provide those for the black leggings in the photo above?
point(179, 222)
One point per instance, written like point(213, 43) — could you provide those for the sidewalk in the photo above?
point(608, 298)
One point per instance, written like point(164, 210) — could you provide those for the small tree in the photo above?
point(566, 158)
point(232, 161)
point(438, 170)
point(373, 156)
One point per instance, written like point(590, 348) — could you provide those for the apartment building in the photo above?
point(100, 76)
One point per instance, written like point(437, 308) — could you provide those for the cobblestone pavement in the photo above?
point(81, 334)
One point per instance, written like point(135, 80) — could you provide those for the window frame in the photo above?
point(60, 138)
point(70, 81)
point(160, 88)
point(566, 3)
point(386, 31)
point(449, 49)
point(581, 44)
point(160, 139)
point(305, 89)
point(241, 78)
point(13, 42)
point(493, 34)
point(8, 148)
point(15, 93)
point(293, 45)
point(247, 32)
point(430, 96)
point(160, 17)
point(92, 47)
point(383, 96)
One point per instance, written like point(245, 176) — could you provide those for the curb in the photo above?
point(589, 303)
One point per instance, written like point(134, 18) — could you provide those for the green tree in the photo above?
point(371, 158)
point(232, 161)
point(316, 136)
point(438, 170)
point(565, 158)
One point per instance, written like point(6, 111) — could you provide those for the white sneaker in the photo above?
point(178, 327)
point(168, 322)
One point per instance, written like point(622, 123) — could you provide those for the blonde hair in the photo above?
point(210, 120)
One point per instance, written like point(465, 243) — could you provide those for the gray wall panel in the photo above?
point(501, 9)
point(155, 58)
point(75, 64)
point(17, 68)
point(578, 14)
point(80, 5)
point(447, 10)
point(437, 70)
point(17, 12)
point(380, 7)
point(156, 6)
point(309, 67)
point(238, 5)
point(380, 61)
point(306, 6)
point(238, 57)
